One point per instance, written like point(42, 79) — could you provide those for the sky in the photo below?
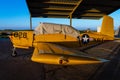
point(14, 14)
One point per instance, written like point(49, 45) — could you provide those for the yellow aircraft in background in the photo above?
point(54, 43)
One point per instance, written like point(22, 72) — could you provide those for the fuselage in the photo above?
point(26, 39)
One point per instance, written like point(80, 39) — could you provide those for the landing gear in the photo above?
point(14, 53)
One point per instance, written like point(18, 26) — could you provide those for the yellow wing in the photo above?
point(53, 54)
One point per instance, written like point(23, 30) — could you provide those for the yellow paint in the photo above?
point(22, 42)
point(53, 54)
point(107, 27)
point(70, 60)
point(53, 48)
point(106, 32)
point(54, 38)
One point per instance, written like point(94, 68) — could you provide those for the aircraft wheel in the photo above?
point(14, 53)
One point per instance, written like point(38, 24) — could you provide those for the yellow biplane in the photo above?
point(54, 43)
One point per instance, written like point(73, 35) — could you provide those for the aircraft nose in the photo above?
point(10, 36)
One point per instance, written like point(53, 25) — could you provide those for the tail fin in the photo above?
point(107, 27)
